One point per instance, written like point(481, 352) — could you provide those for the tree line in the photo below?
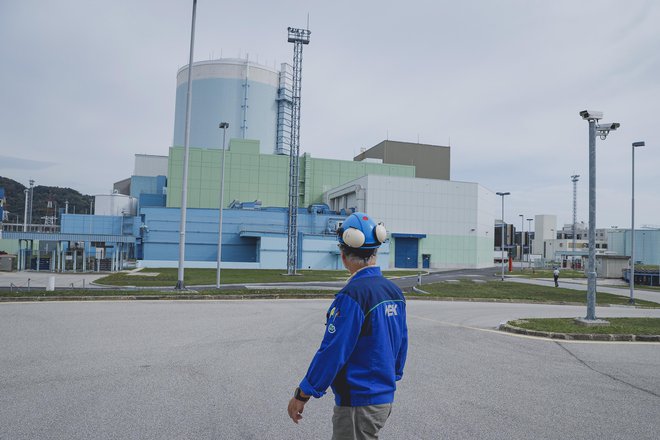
point(46, 201)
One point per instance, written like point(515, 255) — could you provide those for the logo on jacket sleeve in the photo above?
point(331, 316)
point(390, 310)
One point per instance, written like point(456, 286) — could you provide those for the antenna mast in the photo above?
point(298, 37)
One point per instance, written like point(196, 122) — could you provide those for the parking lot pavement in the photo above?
point(226, 370)
point(40, 279)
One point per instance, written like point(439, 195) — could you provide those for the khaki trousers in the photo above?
point(359, 422)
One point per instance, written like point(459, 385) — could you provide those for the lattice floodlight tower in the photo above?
point(574, 179)
point(298, 37)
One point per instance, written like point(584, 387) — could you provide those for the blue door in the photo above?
point(405, 252)
point(426, 261)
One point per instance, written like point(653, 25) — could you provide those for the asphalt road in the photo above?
point(226, 369)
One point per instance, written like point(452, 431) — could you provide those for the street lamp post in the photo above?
point(603, 130)
point(522, 239)
point(186, 148)
point(224, 126)
point(631, 279)
point(25, 215)
point(502, 194)
point(529, 250)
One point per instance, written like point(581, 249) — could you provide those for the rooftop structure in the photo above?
point(430, 161)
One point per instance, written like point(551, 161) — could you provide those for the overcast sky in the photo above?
point(85, 85)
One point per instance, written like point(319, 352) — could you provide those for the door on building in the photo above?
point(426, 261)
point(405, 252)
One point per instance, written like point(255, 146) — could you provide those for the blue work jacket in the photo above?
point(364, 347)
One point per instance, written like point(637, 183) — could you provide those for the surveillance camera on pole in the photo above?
point(603, 130)
point(589, 115)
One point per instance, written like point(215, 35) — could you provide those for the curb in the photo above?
point(579, 336)
point(164, 297)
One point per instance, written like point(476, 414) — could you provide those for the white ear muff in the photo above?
point(381, 233)
point(353, 237)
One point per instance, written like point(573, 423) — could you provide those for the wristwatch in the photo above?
point(298, 395)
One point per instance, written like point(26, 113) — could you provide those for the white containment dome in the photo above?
point(237, 91)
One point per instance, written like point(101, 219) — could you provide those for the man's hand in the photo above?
point(296, 408)
point(297, 405)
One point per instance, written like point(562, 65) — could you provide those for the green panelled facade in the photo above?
point(251, 176)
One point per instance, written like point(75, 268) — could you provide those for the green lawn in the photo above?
point(463, 289)
point(468, 289)
point(547, 273)
point(196, 277)
point(624, 326)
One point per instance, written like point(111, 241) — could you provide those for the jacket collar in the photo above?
point(367, 271)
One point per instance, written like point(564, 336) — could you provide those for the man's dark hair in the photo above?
point(363, 254)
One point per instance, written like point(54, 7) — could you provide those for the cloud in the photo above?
point(17, 163)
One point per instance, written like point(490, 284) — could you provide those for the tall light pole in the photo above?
point(224, 126)
point(522, 239)
point(502, 194)
point(574, 179)
point(529, 247)
point(603, 130)
point(186, 147)
point(25, 214)
point(632, 227)
point(30, 203)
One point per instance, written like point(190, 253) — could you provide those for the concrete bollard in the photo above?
point(51, 284)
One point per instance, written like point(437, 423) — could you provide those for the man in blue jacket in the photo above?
point(364, 347)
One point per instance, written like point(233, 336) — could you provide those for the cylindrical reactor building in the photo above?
point(237, 91)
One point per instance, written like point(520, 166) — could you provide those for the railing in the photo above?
point(19, 227)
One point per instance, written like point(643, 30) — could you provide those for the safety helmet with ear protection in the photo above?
point(359, 231)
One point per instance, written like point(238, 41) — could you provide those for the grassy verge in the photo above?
point(624, 326)
point(460, 290)
point(466, 289)
point(195, 277)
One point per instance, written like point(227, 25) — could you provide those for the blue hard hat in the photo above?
point(359, 231)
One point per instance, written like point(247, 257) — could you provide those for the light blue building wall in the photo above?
point(250, 239)
point(647, 244)
point(102, 225)
point(147, 185)
point(99, 224)
point(149, 190)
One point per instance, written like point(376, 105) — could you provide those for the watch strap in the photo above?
point(298, 396)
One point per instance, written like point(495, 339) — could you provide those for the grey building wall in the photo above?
point(430, 161)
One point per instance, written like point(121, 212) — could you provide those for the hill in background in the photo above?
point(46, 201)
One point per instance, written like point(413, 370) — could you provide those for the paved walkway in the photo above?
point(605, 286)
point(40, 279)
